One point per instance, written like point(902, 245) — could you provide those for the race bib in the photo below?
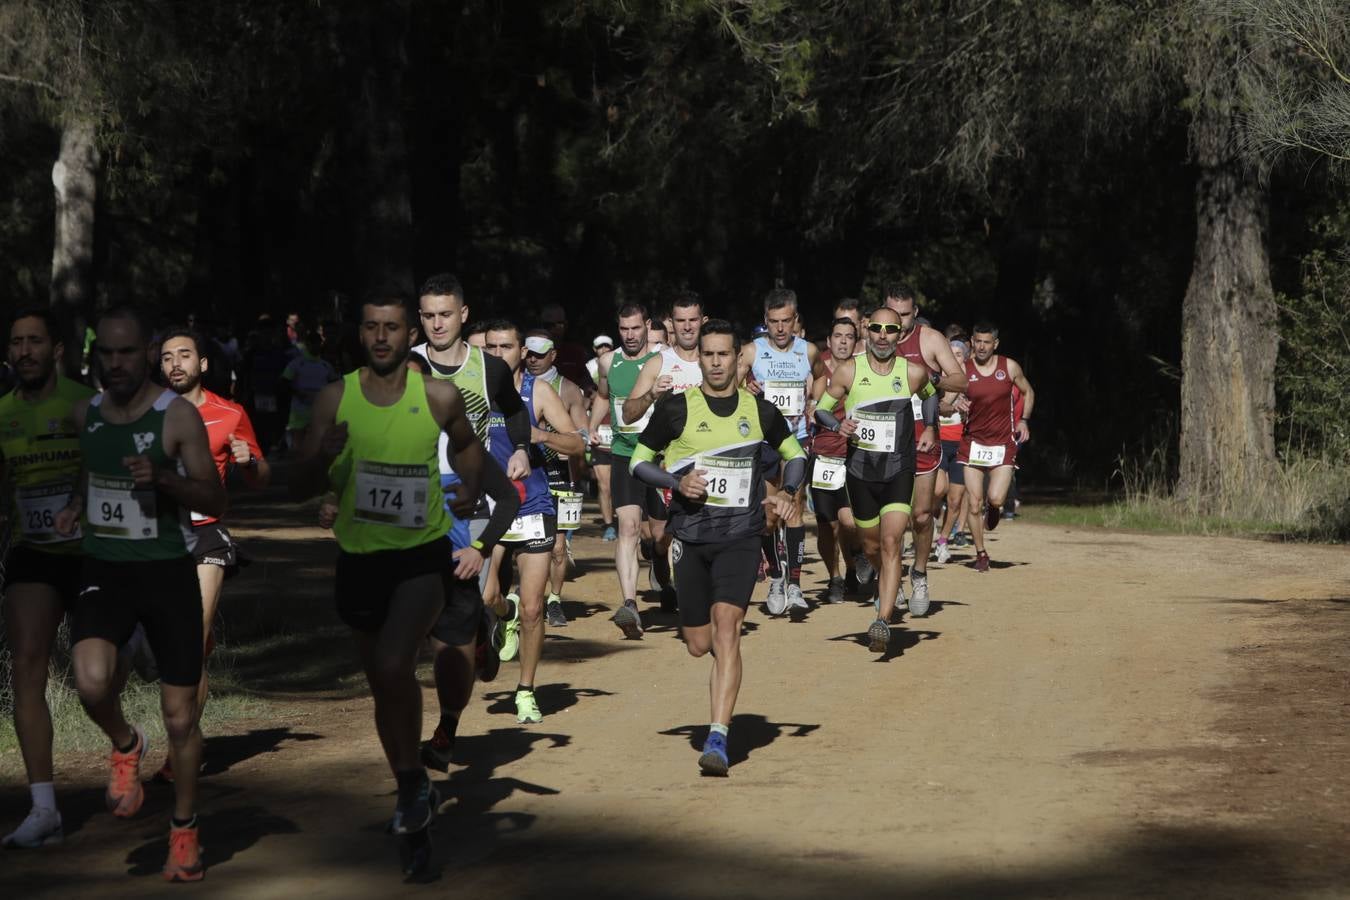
point(917, 403)
point(388, 494)
point(525, 528)
point(788, 396)
point(265, 403)
point(948, 421)
point(619, 424)
point(828, 473)
point(986, 455)
point(569, 511)
point(728, 480)
point(38, 506)
point(115, 509)
point(606, 434)
point(876, 432)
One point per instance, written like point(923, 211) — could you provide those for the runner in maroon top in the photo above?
point(232, 442)
point(925, 345)
point(829, 449)
point(989, 443)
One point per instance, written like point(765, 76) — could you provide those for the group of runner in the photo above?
point(450, 466)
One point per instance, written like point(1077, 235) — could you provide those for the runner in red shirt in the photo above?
point(232, 442)
point(927, 346)
point(992, 433)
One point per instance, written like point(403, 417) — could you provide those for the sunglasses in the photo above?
point(884, 328)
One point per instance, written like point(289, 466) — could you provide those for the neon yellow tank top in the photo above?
point(388, 478)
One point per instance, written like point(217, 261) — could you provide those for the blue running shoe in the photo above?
point(610, 534)
point(714, 760)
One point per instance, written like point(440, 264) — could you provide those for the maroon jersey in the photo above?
point(826, 442)
point(990, 420)
point(911, 350)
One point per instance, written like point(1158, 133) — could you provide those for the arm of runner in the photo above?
point(648, 388)
point(744, 374)
point(324, 442)
point(929, 438)
point(551, 411)
point(826, 419)
point(1022, 430)
point(575, 401)
point(68, 518)
point(937, 353)
point(501, 388)
point(667, 422)
point(505, 505)
point(199, 488)
point(447, 405)
point(839, 383)
point(247, 455)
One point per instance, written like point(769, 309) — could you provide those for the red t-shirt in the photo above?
point(223, 419)
point(991, 403)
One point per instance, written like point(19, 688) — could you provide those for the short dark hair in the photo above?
point(847, 303)
point(476, 327)
point(686, 298)
point(634, 309)
point(779, 298)
point(955, 332)
point(845, 320)
point(392, 295)
point(128, 312)
point(984, 326)
point(504, 325)
point(442, 284)
point(39, 312)
point(900, 291)
point(719, 326)
point(179, 331)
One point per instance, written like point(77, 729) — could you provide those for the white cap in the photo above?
point(537, 344)
point(602, 339)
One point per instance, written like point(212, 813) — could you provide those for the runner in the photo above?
point(989, 443)
point(778, 366)
point(375, 443)
point(711, 437)
point(618, 373)
point(534, 533)
point(564, 470)
point(230, 438)
point(40, 458)
point(925, 346)
point(597, 452)
point(307, 374)
point(135, 439)
point(950, 427)
point(674, 369)
point(835, 533)
point(880, 469)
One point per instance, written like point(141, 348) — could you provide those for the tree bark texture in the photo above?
point(1229, 339)
point(75, 180)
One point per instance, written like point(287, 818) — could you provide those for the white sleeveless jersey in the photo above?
point(683, 373)
point(785, 378)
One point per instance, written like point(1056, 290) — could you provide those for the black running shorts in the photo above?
point(59, 571)
point(626, 490)
point(366, 582)
point(870, 500)
point(713, 572)
point(956, 473)
point(537, 545)
point(162, 595)
point(213, 546)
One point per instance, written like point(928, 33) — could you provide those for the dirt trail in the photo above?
point(1103, 715)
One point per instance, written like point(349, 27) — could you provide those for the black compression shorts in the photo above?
point(59, 571)
point(870, 500)
point(366, 583)
point(625, 489)
point(715, 572)
point(956, 473)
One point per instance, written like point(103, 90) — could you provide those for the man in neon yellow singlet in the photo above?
point(135, 440)
point(374, 442)
point(40, 457)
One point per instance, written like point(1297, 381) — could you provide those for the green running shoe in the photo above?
point(527, 710)
point(510, 631)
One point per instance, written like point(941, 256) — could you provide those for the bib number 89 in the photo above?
point(867, 434)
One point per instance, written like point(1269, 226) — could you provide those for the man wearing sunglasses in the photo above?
point(879, 423)
point(928, 347)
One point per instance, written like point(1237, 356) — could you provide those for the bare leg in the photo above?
point(726, 681)
point(533, 574)
point(606, 501)
point(179, 706)
point(924, 486)
point(96, 679)
point(32, 617)
point(211, 579)
point(625, 550)
point(889, 535)
point(975, 493)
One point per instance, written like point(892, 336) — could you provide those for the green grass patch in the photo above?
point(1161, 515)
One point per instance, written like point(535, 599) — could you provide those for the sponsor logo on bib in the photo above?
point(144, 441)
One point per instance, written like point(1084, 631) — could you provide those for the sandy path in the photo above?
point(1081, 722)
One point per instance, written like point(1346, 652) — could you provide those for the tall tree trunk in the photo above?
point(1228, 336)
point(75, 180)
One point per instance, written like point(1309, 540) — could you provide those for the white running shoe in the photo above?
point(41, 829)
point(795, 598)
point(943, 554)
point(862, 567)
point(900, 603)
point(918, 604)
point(777, 600)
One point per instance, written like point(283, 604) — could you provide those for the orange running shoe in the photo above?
point(185, 855)
point(125, 794)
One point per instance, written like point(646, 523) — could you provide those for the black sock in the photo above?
point(409, 784)
point(524, 687)
point(647, 548)
point(131, 746)
point(796, 549)
point(769, 544)
point(189, 822)
point(450, 724)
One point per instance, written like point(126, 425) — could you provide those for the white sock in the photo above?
point(717, 728)
point(44, 795)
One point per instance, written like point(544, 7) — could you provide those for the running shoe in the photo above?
point(487, 658)
point(836, 590)
point(944, 555)
point(629, 620)
point(437, 752)
point(125, 794)
point(185, 855)
point(416, 816)
point(670, 601)
point(918, 603)
point(777, 600)
point(554, 615)
point(714, 760)
point(878, 637)
point(610, 534)
point(960, 540)
point(510, 631)
point(795, 600)
point(41, 828)
point(981, 562)
point(992, 516)
point(527, 711)
point(863, 566)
